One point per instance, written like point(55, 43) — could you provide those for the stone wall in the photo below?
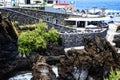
point(76, 39)
point(45, 16)
point(28, 16)
point(60, 28)
point(18, 16)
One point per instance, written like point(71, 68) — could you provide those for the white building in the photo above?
point(21, 1)
point(10, 3)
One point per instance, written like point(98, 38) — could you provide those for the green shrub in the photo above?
point(53, 37)
point(32, 40)
point(114, 75)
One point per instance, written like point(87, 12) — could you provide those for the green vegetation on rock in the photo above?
point(36, 39)
point(114, 75)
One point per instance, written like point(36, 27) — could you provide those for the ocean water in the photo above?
point(112, 6)
point(89, 4)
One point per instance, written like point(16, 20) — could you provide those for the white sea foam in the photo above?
point(26, 76)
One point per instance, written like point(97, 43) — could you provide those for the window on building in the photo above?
point(81, 24)
point(47, 19)
point(55, 21)
point(50, 2)
point(27, 1)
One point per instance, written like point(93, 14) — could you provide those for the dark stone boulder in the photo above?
point(8, 47)
point(52, 50)
point(117, 40)
point(42, 71)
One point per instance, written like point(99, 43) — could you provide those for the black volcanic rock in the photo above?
point(91, 63)
point(8, 47)
point(42, 71)
point(117, 40)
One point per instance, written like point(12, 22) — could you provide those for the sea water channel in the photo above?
point(28, 76)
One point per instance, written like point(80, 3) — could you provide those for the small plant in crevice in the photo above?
point(114, 75)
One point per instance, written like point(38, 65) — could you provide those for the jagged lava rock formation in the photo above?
point(8, 46)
